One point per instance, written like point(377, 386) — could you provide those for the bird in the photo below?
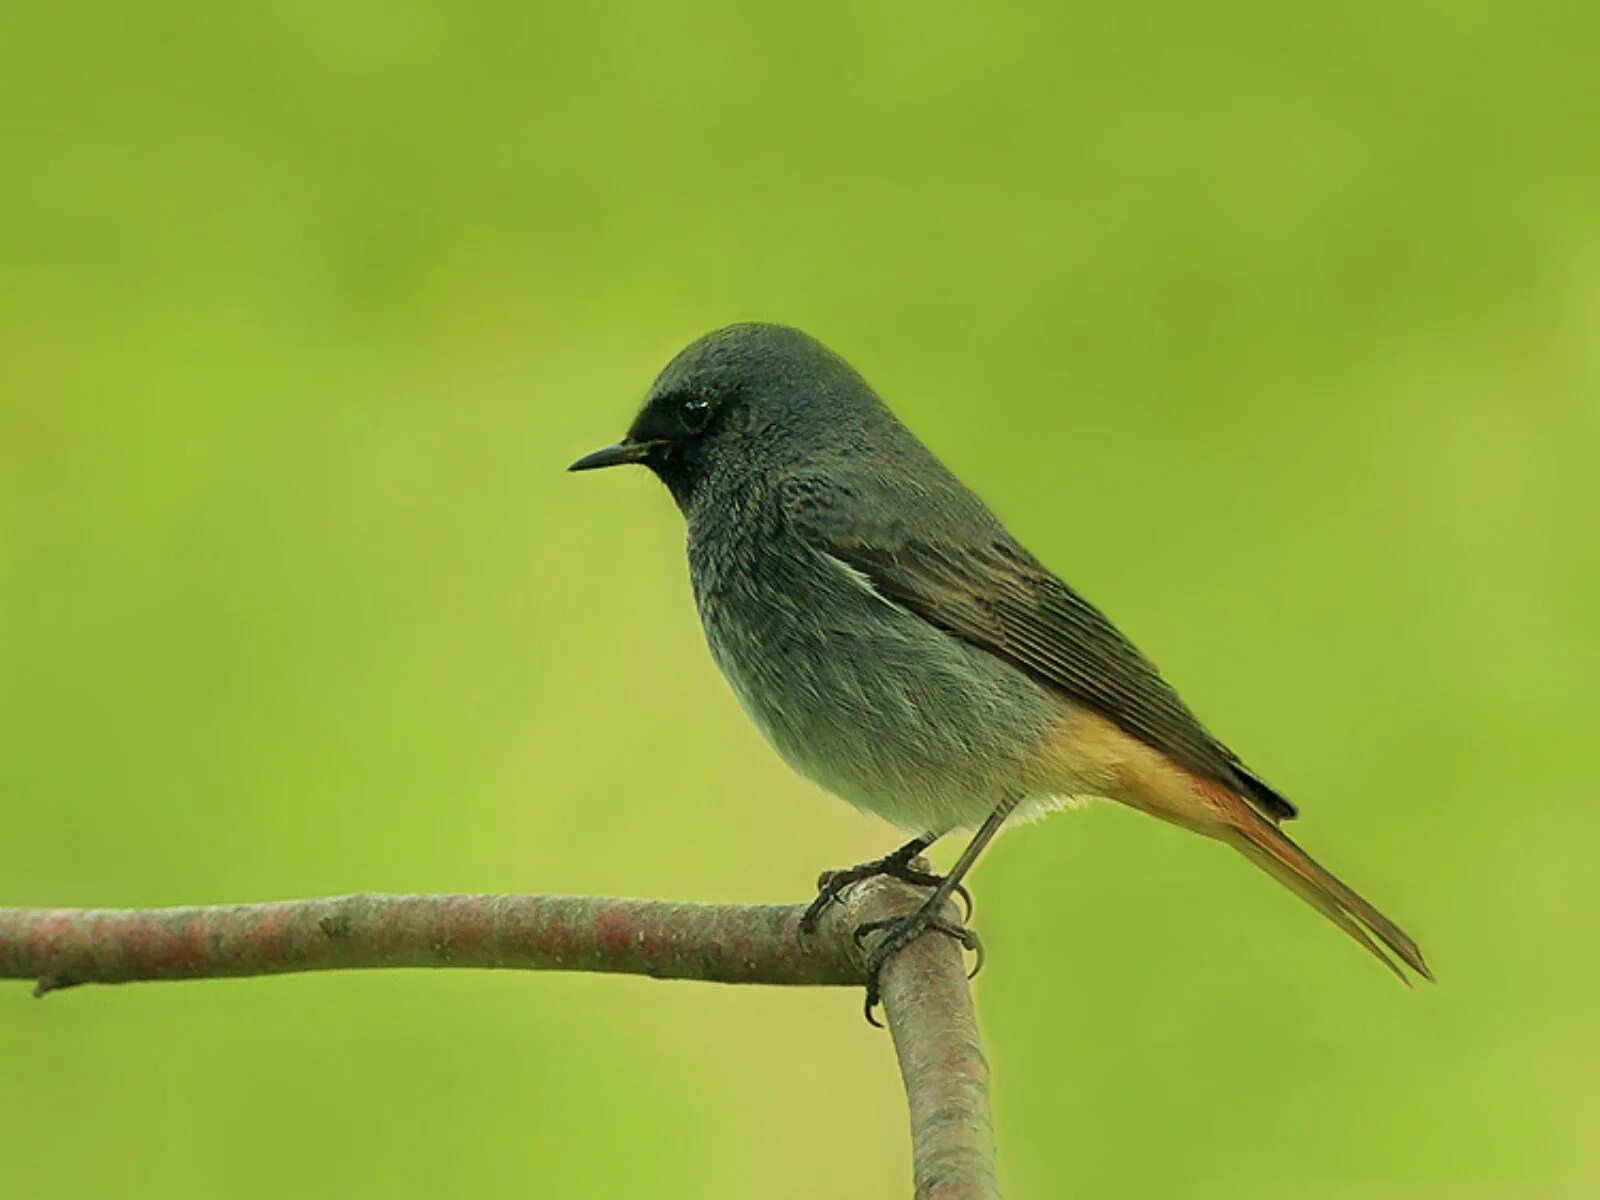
point(898, 647)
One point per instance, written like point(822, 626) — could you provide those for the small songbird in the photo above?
point(898, 647)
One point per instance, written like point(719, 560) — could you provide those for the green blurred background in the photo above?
point(1272, 327)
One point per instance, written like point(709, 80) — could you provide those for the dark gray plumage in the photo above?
point(895, 643)
point(800, 470)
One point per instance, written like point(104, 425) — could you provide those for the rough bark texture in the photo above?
point(935, 1031)
point(925, 993)
point(722, 943)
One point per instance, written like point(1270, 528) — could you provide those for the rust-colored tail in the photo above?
point(1272, 850)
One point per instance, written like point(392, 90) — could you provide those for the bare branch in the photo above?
point(925, 993)
point(935, 1031)
point(722, 943)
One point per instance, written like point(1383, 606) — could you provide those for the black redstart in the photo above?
point(897, 646)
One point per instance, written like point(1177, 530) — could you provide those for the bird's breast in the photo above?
point(860, 695)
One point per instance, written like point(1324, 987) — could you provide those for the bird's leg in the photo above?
point(899, 932)
point(895, 865)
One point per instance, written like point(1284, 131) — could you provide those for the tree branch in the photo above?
point(925, 993)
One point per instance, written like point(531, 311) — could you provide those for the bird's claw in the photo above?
point(831, 885)
point(899, 933)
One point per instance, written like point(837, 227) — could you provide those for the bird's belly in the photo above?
point(876, 705)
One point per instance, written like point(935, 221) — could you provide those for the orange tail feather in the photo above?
point(1274, 852)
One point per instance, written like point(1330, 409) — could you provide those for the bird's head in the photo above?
point(755, 394)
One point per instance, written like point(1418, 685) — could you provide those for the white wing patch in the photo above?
point(864, 582)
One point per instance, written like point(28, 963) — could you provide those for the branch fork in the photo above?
point(926, 998)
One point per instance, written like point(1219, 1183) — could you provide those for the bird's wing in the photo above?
point(971, 579)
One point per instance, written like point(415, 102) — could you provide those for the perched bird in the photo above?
point(896, 645)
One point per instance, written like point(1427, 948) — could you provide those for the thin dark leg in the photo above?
point(896, 865)
point(901, 931)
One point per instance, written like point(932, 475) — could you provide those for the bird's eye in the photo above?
point(695, 413)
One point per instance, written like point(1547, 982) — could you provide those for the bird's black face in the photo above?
point(674, 434)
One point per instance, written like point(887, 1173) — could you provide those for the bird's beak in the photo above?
point(614, 456)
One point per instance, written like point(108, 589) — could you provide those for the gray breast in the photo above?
point(859, 695)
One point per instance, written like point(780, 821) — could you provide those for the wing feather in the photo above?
point(974, 581)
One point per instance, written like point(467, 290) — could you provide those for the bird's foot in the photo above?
point(831, 885)
point(900, 932)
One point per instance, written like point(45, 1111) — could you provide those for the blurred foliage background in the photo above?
point(1271, 327)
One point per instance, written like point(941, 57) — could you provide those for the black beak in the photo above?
point(614, 456)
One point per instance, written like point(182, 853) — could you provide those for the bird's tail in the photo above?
point(1264, 844)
